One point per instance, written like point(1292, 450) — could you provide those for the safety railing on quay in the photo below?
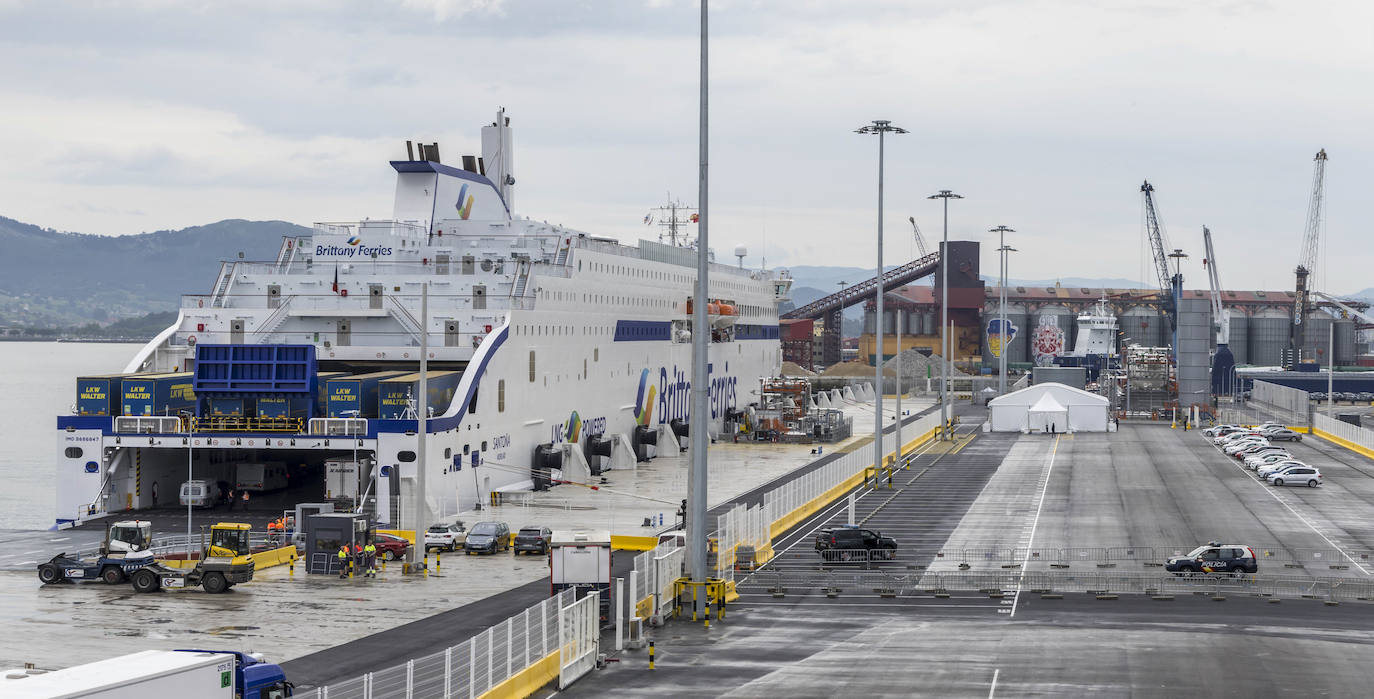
point(1354, 434)
point(560, 626)
point(892, 583)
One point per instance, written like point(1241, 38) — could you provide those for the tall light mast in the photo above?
point(1307, 260)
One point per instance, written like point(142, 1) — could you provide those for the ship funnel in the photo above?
point(498, 157)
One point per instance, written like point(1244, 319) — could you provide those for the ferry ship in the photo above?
point(549, 351)
point(1095, 349)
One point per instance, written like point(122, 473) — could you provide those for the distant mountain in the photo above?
point(54, 278)
point(1363, 295)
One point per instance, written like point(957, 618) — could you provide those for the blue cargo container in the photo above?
point(321, 392)
point(355, 396)
point(394, 395)
point(98, 395)
point(157, 394)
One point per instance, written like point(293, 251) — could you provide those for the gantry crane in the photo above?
point(1307, 261)
point(1170, 285)
point(920, 239)
point(1223, 362)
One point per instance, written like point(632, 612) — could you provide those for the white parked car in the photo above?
point(1254, 462)
point(1277, 467)
point(1243, 444)
point(1260, 451)
point(1218, 430)
point(1298, 475)
point(1234, 436)
point(445, 537)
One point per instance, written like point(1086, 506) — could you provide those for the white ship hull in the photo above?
point(559, 337)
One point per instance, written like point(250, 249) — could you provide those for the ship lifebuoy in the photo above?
point(200, 303)
point(190, 339)
point(486, 328)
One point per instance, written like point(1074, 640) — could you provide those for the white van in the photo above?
point(197, 494)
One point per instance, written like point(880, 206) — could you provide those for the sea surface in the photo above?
point(38, 383)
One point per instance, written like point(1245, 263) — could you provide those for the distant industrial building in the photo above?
point(1044, 318)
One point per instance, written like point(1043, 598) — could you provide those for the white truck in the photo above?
point(260, 477)
point(154, 673)
point(581, 560)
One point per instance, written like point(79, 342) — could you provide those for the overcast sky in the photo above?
point(122, 117)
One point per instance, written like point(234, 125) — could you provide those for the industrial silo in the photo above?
point(929, 323)
point(1240, 336)
point(1269, 336)
point(868, 321)
point(1194, 360)
point(1044, 342)
point(1015, 349)
point(1316, 337)
point(1141, 324)
point(1345, 342)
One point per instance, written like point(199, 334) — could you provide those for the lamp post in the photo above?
point(190, 430)
point(944, 312)
point(1002, 232)
point(882, 127)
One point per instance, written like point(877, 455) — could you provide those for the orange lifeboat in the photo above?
point(726, 309)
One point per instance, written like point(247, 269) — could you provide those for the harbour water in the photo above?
point(37, 386)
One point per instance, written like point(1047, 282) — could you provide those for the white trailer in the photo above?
point(581, 560)
point(260, 478)
point(346, 479)
point(151, 673)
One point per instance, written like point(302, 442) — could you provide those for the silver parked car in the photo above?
point(1297, 475)
point(1283, 434)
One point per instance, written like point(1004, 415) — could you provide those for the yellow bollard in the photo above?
point(438, 562)
point(350, 568)
point(708, 611)
point(651, 655)
point(291, 567)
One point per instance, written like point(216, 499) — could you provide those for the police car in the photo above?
point(1215, 557)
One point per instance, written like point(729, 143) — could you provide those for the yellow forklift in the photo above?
point(226, 560)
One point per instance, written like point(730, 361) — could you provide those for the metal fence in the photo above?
point(1350, 433)
point(916, 584)
point(484, 661)
point(1291, 405)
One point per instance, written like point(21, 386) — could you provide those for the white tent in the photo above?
point(1047, 406)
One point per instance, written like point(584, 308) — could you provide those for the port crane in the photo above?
point(1223, 362)
point(920, 239)
point(1307, 259)
point(1171, 285)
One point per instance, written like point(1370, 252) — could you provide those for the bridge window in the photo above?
point(73, 452)
point(405, 457)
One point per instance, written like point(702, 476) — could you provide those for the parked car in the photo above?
point(1218, 430)
point(854, 544)
point(390, 547)
point(1234, 436)
point(533, 540)
point(1242, 445)
point(487, 537)
point(445, 537)
point(1254, 462)
point(1260, 451)
point(1366, 397)
point(1298, 475)
point(1285, 435)
point(1215, 557)
point(1267, 471)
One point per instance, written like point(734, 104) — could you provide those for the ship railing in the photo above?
point(409, 228)
point(338, 426)
point(152, 424)
point(226, 423)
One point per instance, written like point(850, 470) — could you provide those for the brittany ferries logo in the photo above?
point(644, 404)
point(464, 203)
point(354, 240)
